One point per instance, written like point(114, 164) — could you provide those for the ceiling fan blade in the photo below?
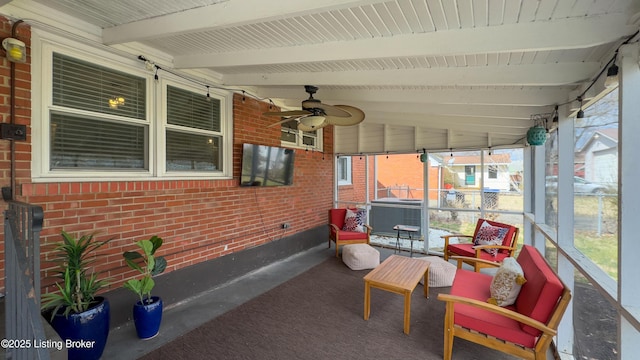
point(328, 110)
point(356, 116)
point(287, 113)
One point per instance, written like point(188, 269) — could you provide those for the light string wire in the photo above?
point(604, 68)
point(206, 85)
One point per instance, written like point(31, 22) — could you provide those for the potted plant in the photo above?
point(75, 311)
point(147, 311)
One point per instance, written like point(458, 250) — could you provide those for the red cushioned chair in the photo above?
point(524, 329)
point(341, 237)
point(506, 249)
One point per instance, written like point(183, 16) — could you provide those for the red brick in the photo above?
point(196, 218)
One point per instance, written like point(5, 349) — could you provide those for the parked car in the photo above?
point(580, 186)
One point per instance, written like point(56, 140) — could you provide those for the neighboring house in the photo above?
point(469, 171)
point(401, 175)
point(600, 154)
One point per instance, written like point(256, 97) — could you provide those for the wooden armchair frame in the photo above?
point(341, 237)
point(480, 250)
point(538, 352)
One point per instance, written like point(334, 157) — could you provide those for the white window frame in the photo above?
point(45, 44)
point(226, 126)
point(492, 171)
point(318, 145)
point(345, 180)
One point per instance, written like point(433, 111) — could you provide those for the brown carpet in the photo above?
point(318, 315)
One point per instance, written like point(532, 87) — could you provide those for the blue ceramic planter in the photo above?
point(147, 317)
point(86, 333)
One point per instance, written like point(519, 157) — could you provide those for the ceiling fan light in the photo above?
point(313, 121)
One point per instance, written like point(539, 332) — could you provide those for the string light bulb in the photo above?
point(612, 76)
point(580, 112)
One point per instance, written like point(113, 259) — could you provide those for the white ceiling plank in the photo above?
point(427, 73)
point(226, 14)
point(565, 34)
point(477, 124)
point(508, 96)
point(492, 111)
point(525, 75)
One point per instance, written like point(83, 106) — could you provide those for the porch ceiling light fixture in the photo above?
point(15, 49)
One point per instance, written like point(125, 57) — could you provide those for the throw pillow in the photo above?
point(354, 220)
point(506, 284)
point(490, 235)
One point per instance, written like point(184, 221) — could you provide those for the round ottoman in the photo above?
point(360, 256)
point(441, 273)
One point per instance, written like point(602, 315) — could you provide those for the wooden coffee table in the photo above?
point(400, 275)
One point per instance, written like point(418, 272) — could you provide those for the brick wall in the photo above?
point(397, 171)
point(356, 191)
point(22, 116)
point(196, 218)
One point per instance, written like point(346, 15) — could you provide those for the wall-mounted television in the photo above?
point(266, 166)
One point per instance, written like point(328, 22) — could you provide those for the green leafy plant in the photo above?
point(147, 264)
point(79, 286)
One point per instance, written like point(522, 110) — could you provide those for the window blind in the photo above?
point(81, 142)
point(82, 85)
point(186, 108)
point(189, 152)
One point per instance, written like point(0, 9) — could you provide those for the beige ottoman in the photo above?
point(360, 256)
point(441, 273)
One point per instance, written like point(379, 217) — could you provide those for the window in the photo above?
point(291, 136)
point(344, 170)
point(97, 118)
point(104, 117)
point(470, 175)
point(493, 172)
point(193, 135)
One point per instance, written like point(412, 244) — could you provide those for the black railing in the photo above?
point(24, 329)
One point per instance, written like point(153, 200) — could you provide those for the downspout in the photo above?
point(12, 115)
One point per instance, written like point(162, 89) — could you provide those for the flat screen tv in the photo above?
point(266, 166)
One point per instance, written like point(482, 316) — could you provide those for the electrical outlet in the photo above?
point(226, 247)
point(286, 225)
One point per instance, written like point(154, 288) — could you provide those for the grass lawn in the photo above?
point(601, 250)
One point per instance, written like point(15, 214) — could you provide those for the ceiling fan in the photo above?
point(316, 115)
